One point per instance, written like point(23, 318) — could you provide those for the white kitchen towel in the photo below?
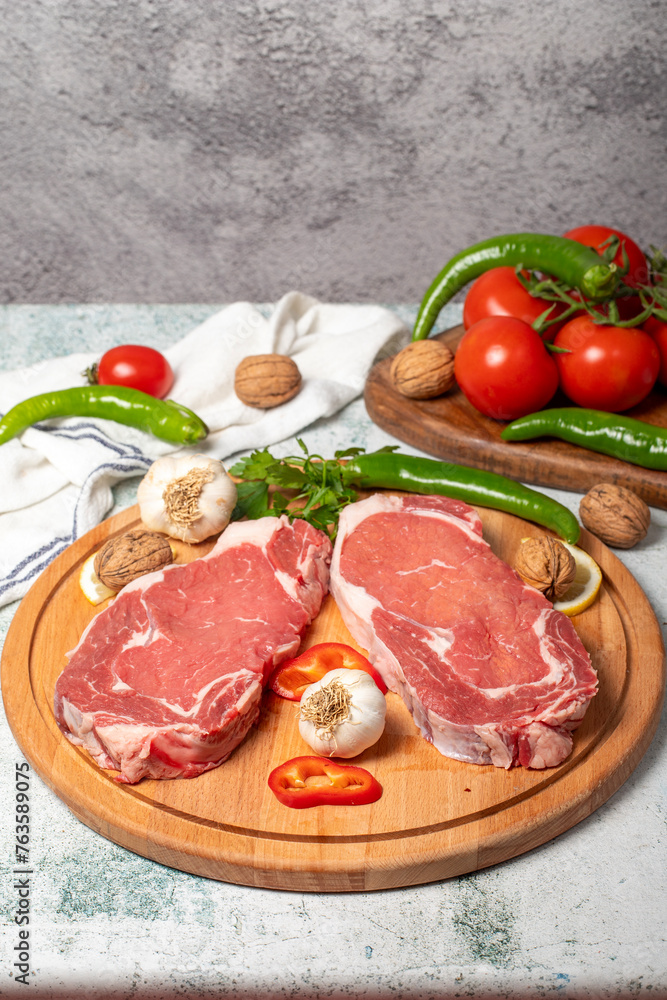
point(56, 478)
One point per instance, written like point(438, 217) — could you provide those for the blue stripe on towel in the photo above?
point(129, 467)
point(95, 433)
point(129, 464)
point(46, 554)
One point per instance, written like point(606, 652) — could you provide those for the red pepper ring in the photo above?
point(303, 782)
point(293, 676)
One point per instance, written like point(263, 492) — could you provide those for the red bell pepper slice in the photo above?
point(303, 782)
point(293, 676)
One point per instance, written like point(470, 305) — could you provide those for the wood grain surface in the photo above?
point(450, 428)
point(437, 817)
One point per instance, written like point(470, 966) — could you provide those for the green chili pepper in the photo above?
point(621, 437)
point(577, 265)
point(164, 418)
point(387, 470)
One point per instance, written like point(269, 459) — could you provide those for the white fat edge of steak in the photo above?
point(545, 733)
point(129, 748)
point(126, 745)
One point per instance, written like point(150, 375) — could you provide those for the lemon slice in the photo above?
point(585, 586)
point(91, 585)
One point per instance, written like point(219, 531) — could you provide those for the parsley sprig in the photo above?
point(317, 488)
point(653, 296)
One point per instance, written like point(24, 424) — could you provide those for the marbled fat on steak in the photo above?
point(489, 671)
point(167, 680)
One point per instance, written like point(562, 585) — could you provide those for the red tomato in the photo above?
point(595, 236)
point(608, 367)
point(500, 293)
point(504, 369)
point(657, 328)
point(137, 367)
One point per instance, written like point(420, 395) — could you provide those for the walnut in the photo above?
point(615, 514)
point(546, 564)
point(423, 369)
point(266, 380)
point(131, 555)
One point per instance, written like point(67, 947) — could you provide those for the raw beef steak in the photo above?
point(167, 680)
point(490, 672)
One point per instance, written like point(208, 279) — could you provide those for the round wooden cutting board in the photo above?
point(437, 817)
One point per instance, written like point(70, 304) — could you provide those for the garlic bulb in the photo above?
point(189, 497)
point(342, 714)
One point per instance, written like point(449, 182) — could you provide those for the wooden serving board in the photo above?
point(449, 427)
point(437, 817)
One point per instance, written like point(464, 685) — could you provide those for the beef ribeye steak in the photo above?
point(166, 681)
point(489, 671)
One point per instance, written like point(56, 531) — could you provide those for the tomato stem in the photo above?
point(90, 374)
point(606, 314)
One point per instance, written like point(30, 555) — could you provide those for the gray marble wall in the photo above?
point(197, 150)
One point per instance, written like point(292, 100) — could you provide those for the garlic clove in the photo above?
point(189, 497)
point(342, 714)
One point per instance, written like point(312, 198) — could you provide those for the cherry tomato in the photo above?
point(138, 367)
point(657, 328)
point(595, 236)
point(608, 367)
point(504, 369)
point(500, 293)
